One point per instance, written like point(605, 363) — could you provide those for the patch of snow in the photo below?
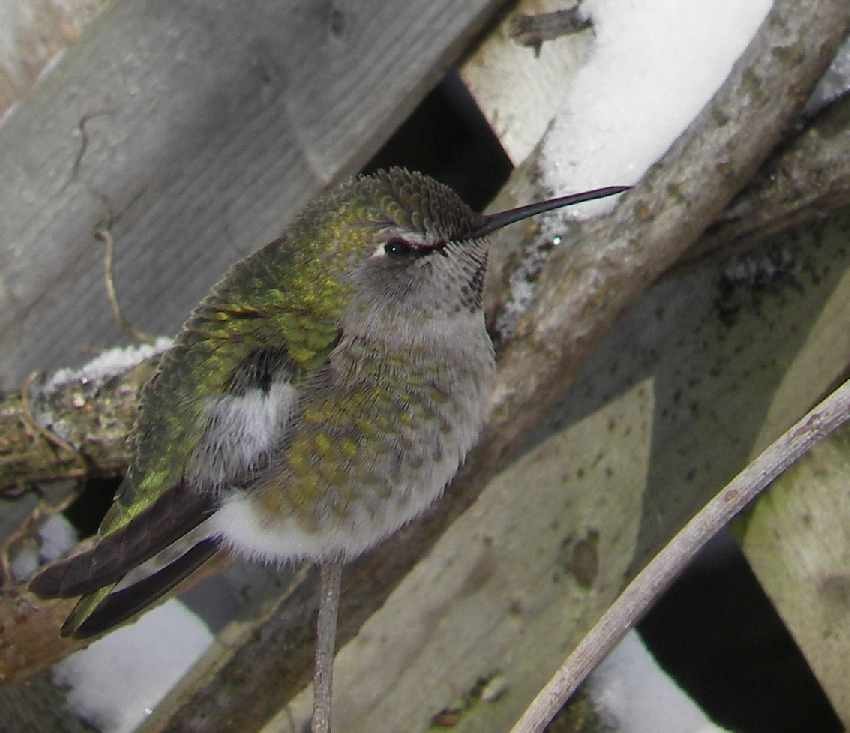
point(118, 681)
point(58, 536)
point(24, 563)
point(634, 695)
point(109, 363)
point(654, 65)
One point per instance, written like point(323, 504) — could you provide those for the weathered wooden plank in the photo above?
point(194, 129)
point(517, 88)
point(797, 539)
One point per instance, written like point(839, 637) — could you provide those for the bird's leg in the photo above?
point(331, 574)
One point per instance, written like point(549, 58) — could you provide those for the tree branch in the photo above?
point(91, 419)
point(804, 180)
point(583, 289)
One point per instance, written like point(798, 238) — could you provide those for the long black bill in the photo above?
point(492, 222)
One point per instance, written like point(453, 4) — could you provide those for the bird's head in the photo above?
point(408, 249)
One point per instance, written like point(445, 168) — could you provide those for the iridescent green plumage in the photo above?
point(282, 304)
point(321, 396)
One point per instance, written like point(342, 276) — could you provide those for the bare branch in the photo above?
point(805, 180)
point(80, 429)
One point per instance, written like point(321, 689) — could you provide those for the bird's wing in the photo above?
point(252, 341)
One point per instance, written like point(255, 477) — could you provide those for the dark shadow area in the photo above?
point(448, 138)
point(87, 511)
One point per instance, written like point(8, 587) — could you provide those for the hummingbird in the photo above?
point(321, 396)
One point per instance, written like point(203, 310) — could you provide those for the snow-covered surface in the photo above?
point(635, 695)
point(56, 536)
point(654, 65)
point(109, 363)
point(118, 681)
point(24, 563)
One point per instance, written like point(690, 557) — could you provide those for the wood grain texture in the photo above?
point(194, 130)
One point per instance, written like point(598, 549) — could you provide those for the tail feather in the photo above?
point(85, 606)
point(103, 612)
point(175, 513)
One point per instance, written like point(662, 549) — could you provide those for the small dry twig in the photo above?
point(104, 235)
point(656, 577)
point(534, 30)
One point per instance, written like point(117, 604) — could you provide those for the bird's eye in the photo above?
point(398, 248)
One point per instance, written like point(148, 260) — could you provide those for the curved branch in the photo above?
point(657, 576)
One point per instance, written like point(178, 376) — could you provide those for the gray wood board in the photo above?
point(197, 128)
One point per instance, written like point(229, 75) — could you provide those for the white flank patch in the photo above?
point(243, 429)
point(109, 363)
point(118, 681)
point(654, 65)
point(636, 696)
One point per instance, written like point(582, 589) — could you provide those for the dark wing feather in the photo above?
point(124, 604)
point(171, 516)
point(266, 320)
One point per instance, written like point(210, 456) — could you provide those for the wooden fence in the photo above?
point(190, 164)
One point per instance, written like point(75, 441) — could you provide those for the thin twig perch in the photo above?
point(331, 572)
